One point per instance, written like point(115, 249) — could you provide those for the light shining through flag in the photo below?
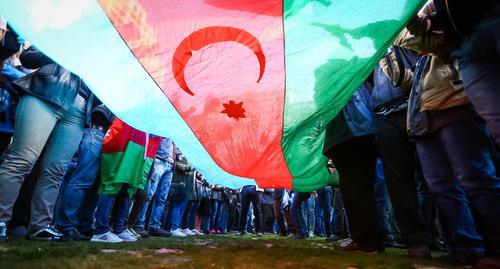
point(245, 88)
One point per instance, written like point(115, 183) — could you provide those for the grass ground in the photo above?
point(225, 251)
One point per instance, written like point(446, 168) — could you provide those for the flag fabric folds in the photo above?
point(244, 88)
point(127, 157)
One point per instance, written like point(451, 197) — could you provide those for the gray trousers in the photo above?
point(38, 126)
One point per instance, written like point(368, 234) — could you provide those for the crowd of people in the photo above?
point(415, 151)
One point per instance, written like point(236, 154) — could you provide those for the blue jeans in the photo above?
point(249, 195)
point(325, 209)
point(79, 198)
point(158, 187)
point(319, 223)
point(384, 207)
point(308, 213)
point(250, 220)
point(189, 215)
point(177, 208)
point(459, 170)
point(38, 126)
point(205, 224)
point(223, 217)
point(105, 203)
point(297, 214)
point(215, 213)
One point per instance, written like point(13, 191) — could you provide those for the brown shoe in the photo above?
point(353, 246)
point(420, 251)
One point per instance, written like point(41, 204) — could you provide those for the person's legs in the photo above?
point(122, 203)
point(215, 214)
point(383, 210)
point(82, 181)
point(449, 196)
point(480, 73)
point(167, 215)
point(138, 201)
point(399, 166)
point(186, 214)
point(250, 220)
point(161, 197)
point(271, 219)
point(257, 210)
point(157, 171)
point(265, 217)
point(35, 121)
point(470, 156)
point(319, 226)
point(280, 217)
point(59, 149)
point(296, 213)
point(341, 229)
point(325, 203)
point(272, 224)
point(291, 227)
point(223, 217)
point(245, 204)
point(177, 214)
point(356, 160)
point(104, 205)
point(192, 217)
point(310, 214)
point(87, 209)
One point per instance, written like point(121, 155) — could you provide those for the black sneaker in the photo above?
point(420, 251)
point(159, 232)
point(141, 231)
point(46, 234)
point(3, 232)
point(332, 238)
point(74, 235)
point(353, 246)
point(299, 236)
point(459, 259)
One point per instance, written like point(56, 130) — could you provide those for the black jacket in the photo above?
point(52, 83)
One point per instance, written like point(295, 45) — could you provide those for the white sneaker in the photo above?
point(178, 233)
point(133, 233)
point(127, 237)
point(196, 232)
point(108, 237)
point(188, 232)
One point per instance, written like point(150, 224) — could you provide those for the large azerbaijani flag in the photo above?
point(244, 87)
